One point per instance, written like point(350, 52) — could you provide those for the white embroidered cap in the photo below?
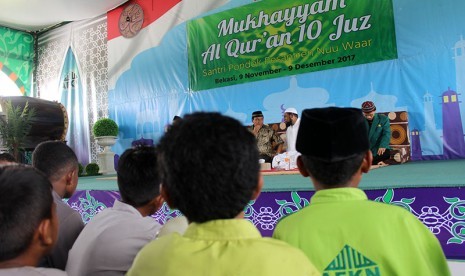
point(291, 110)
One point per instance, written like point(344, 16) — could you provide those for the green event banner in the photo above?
point(276, 38)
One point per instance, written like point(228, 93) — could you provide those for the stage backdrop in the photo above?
point(402, 54)
point(72, 69)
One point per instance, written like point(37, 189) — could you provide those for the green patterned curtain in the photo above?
point(17, 57)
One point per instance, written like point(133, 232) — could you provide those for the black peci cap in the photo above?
point(256, 114)
point(332, 134)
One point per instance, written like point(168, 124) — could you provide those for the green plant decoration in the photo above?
point(80, 169)
point(92, 169)
point(105, 127)
point(16, 126)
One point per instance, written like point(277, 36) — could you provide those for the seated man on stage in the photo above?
point(28, 221)
point(379, 133)
point(341, 231)
point(206, 177)
point(287, 159)
point(267, 139)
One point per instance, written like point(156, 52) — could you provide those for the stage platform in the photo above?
point(434, 191)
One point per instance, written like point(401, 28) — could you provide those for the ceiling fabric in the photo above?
point(37, 15)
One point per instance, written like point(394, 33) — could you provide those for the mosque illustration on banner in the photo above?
point(452, 134)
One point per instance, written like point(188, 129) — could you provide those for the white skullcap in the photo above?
point(291, 110)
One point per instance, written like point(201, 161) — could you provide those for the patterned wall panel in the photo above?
point(442, 210)
point(88, 40)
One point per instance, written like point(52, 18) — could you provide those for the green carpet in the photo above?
point(102, 182)
point(442, 173)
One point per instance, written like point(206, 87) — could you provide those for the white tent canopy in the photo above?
point(36, 15)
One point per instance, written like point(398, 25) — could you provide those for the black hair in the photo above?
point(54, 159)
point(5, 156)
point(25, 200)
point(138, 178)
point(209, 166)
point(333, 174)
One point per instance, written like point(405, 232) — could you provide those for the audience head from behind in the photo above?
point(122, 230)
point(340, 219)
point(176, 119)
point(334, 145)
point(138, 179)
point(208, 167)
point(7, 158)
point(60, 164)
point(28, 221)
point(209, 171)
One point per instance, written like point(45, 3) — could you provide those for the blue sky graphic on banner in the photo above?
point(74, 100)
point(427, 80)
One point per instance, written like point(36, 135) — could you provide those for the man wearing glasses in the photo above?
point(267, 139)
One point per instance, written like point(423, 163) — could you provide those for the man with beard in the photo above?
point(292, 120)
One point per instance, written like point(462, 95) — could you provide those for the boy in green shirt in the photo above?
point(341, 231)
point(209, 171)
